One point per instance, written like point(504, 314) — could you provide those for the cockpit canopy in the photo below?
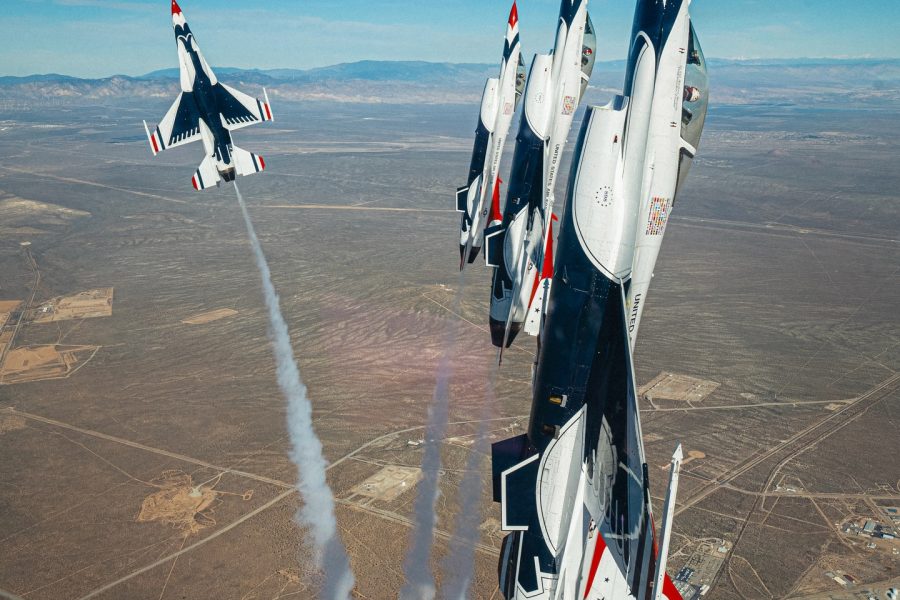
point(696, 92)
point(695, 101)
point(588, 53)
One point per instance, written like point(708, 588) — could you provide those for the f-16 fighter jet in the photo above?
point(498, 103)
point(668, 91)
point(516, 246)
point(209, 111)
point(574, 490)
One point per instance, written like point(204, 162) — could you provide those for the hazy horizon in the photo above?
point(96, 38)
point(798, 60)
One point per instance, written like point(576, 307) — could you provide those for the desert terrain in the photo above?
point(143, 437)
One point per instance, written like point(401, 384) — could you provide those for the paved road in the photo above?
point(852, 409)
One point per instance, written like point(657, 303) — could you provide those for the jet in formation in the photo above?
point(516, 246)
point(498, 103)
point(574, 490)
point(208, 111)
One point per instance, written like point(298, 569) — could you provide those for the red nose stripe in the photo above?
point(176, 10)
point(513, 15)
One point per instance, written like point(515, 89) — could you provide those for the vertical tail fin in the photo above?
point(540, 292)
point(462, 199)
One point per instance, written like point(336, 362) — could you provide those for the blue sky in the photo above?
point(92, 38)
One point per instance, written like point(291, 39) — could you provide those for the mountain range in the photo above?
point(779, 81)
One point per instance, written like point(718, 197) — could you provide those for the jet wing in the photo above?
point(240, 110)
point(180, 126)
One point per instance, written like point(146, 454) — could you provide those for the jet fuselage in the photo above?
point(556, 83)
point(498, 103)
point(574, 489)
point(580, 465)
point(218, 139)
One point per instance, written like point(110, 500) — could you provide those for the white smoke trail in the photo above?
point(459, 565)
point(417, 565)
point(317, 513)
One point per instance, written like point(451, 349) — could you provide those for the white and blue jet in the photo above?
point(575, 489)
point(209, 111)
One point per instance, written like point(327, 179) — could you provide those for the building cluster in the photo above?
point(876, 529)
point(684, 586)
point(844, 579)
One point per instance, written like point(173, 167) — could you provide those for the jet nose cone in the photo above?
point(513, 15)
point(176, 10)
point(498, 330)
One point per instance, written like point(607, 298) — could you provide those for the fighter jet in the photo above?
point(209, 111)
point(498, 103)
point(516, 247)
point(669, 90)
point(574, 490)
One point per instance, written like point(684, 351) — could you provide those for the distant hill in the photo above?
point(419, 72)
point(783, 81)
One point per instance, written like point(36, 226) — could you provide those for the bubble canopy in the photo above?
point(694, 105)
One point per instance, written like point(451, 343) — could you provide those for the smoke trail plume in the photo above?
point(459, 565)
point(317, 513)
point(417, 565)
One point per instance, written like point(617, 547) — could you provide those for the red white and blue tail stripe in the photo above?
point(247, 163)
point(207, 175)
point(156, 142)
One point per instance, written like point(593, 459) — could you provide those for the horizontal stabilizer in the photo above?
point(207, 175)
point(462, 195)
point(247, 163)
point(505, 454)
point(515, 471)
point(518, 484)
point(493, 245)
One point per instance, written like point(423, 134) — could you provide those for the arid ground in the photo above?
point(143, 446)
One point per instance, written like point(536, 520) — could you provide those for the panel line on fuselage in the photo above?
point(204, 99)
